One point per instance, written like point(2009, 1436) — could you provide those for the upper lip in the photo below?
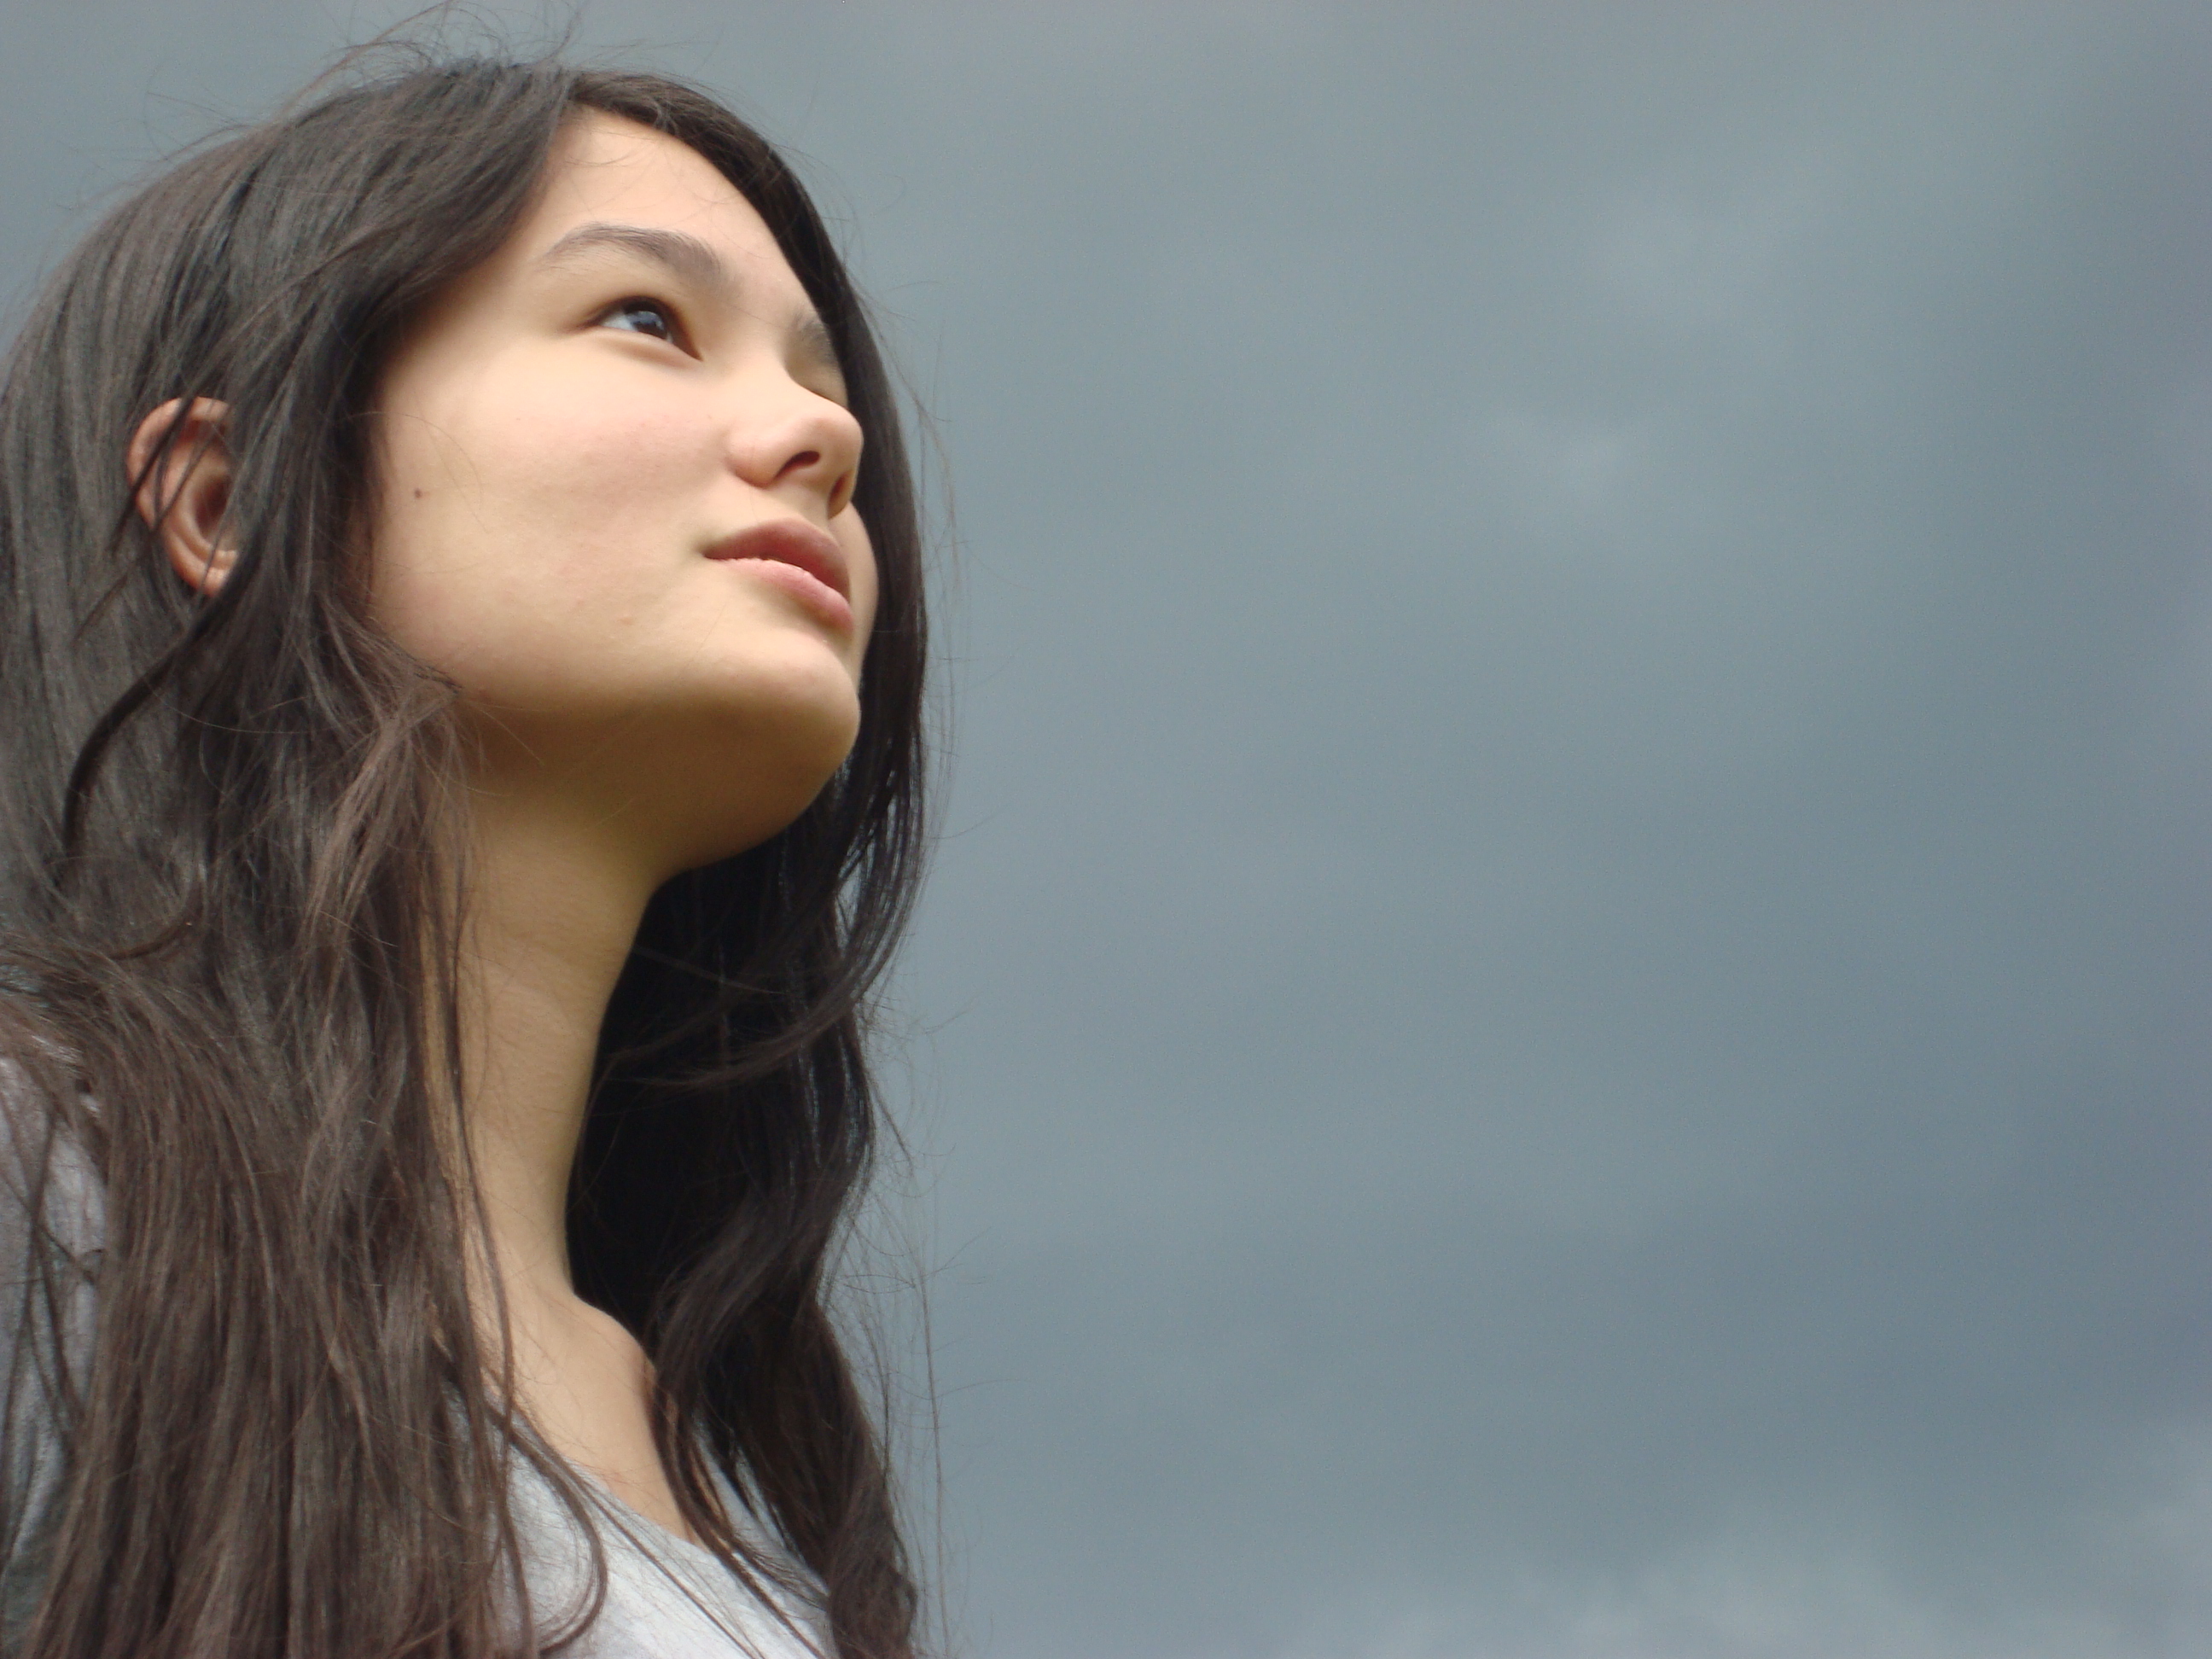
point(793, 542)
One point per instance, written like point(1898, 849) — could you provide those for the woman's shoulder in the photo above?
point(53, 1229)
point(50, 1191)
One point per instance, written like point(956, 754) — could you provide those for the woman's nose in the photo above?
point(787, 436)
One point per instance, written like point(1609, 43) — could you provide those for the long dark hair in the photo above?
point(229, 884)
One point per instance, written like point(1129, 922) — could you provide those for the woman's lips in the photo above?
point(800, 559)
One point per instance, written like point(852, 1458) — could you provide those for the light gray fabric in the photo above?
point(59, 1183)
point(666, 1598)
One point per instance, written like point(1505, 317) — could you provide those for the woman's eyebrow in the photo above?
point(687, 257)
point(811, 336)
point(682, 254)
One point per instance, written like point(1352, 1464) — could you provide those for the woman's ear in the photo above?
point(184, 493)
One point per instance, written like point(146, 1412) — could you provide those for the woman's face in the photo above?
point(615, 474)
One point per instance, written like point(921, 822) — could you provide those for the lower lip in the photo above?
point(826, 601)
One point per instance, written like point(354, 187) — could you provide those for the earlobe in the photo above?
point(180, 476)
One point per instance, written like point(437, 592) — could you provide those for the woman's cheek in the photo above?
point(852, 533)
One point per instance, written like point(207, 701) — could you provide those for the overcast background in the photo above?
point(1564, 1010)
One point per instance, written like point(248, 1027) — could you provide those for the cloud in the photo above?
point(1566, 998)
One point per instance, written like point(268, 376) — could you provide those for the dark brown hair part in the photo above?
point(228, 872)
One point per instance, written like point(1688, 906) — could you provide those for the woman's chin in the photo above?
point(724, 798)
point(759, 817)
point(684, 787)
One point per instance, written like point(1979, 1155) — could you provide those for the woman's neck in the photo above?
point(555, 899)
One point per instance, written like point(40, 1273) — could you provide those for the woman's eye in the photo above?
point(642, 316)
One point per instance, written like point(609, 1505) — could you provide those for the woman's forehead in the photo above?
point(605, 170)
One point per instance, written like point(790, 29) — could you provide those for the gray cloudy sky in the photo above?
point(1564, 1011)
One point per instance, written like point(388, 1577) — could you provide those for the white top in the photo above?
point(666, 1597)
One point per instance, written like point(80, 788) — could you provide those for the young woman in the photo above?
point(459, 762)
